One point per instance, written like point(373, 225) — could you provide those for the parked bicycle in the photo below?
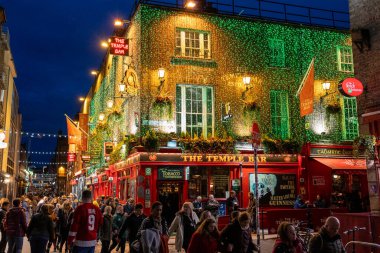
point(304, 233)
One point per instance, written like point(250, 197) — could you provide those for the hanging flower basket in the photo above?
point(163, 107)
point(333, 109)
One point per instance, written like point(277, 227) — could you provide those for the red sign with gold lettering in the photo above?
point(351, 87)
point(119, 46)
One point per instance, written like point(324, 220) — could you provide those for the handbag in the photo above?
point(136, 245)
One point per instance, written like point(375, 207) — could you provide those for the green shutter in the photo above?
point(279, 114)
point(350, 120)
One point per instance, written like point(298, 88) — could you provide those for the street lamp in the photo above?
point(190, 4)
point(110, 103)
point(81, 99)
point(102, 116)
point(3, 145)
point(94, 72)
point(247, 84)
point(104, 44)
point(161, 77)
point(326, 87)
point(120, 22)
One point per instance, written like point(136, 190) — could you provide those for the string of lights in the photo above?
point(44, 163)
point(43, 152)
point(42, 135)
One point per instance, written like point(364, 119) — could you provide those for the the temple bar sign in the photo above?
point(119, 46)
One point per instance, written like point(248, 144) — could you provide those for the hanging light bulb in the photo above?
point(102, 116)
point(110, 103)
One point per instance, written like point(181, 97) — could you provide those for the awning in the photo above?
point(343, 163)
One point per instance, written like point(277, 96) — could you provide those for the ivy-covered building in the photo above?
point(199, 80)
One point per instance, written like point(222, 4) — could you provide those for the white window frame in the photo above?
point(201, 43)
point(204, 108)
point(340, 50)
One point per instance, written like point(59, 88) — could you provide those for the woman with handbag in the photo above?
point(184, 224)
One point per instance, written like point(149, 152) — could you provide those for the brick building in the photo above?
point(365, 27)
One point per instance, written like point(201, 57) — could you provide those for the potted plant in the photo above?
point(150, 141)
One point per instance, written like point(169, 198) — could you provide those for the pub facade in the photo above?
point(179, 109)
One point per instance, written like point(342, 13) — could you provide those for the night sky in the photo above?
point(56, 43)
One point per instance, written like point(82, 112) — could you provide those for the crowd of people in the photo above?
point(69, 225)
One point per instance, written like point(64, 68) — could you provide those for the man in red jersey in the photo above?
point(83, 230)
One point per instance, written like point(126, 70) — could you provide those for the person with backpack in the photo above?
point(40, 230)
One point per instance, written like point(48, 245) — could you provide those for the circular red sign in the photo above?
point(256, 138)
point(351, 87)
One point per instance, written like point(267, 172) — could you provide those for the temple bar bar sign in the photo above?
point(119, 46)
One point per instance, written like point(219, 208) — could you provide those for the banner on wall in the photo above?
point(275, 189)
point(306, 91)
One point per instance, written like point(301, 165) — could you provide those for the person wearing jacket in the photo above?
point(236, 236)
point(232, 203)
point(65, 216)
point(117, 221)
point(184, 224)
point(156, 222)
point(40, 230)
point(205, 239)
point(106, 229)
point(327, 240)
point(3, 211)
point(15, 227)
point(287, 241)
point(132, 223)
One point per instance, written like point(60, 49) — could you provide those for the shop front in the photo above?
point(123, 183)
point(337, 176)
point(174, 178)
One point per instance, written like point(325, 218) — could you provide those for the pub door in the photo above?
point(170, 195)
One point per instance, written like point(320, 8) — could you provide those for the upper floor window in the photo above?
point(193, 44)
point(279, 110)
point(195, 110)
point(350, 119)
point(277, 53)
point(345, 59)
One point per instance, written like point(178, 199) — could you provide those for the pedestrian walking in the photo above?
point(86, 221)
point(117, 221)
point(15, 227)
point(184, 225)
point(327, 240)
point(65, 216)
point(154, 231)
point(3, 211)
point(40, 230)
point(236, 237)
point(132, 224)
point(106, 229)
point(54, 219)
point(204, 216)
point(205, 239)
point(287, 241)
point(232, 202)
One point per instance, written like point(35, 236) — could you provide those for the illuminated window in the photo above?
point(350, 120)
point(279, 114)
point(345, 59)
point(192, 44)
point(277, 53)
point(195, 110)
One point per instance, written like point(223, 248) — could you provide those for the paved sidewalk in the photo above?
point(266, 245)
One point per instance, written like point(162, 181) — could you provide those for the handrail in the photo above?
point(269, 10)
point(369, 244)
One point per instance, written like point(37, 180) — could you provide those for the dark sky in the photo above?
point(55, 44)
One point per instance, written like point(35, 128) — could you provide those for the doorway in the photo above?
point(170, 195)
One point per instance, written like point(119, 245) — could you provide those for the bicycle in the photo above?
point(304, 234)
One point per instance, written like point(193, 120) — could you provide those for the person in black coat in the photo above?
point(65, 217)
point(132, 223)
point(40, 230)
point(236, 236)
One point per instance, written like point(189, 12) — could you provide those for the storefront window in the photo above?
point(198, 182)
point(219, 181)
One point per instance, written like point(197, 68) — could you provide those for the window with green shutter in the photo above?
point(195, 110)
point(279, 114)
point(345, 59)
point(350, 119)
point(277, 53)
